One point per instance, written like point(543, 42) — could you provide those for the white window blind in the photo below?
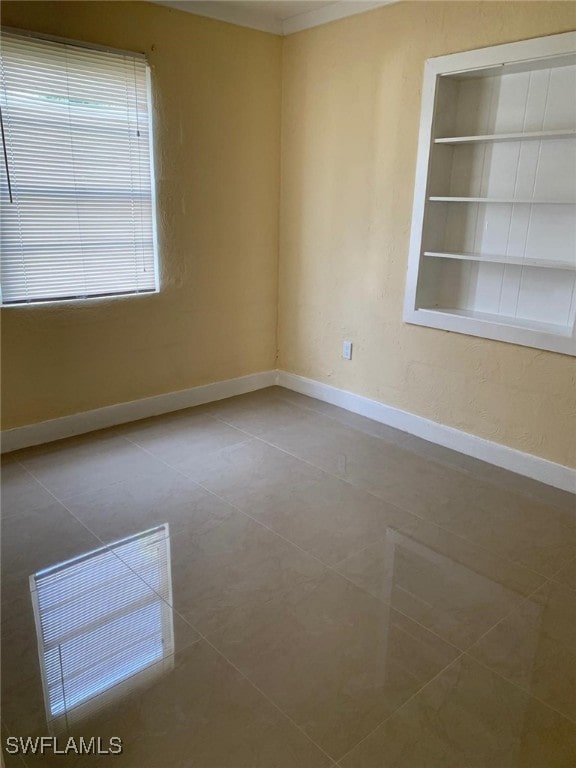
point(100, 625)
point(76, 181)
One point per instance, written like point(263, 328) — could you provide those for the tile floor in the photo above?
point(296, 586)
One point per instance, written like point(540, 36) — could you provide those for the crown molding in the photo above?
point(254, 19)
point(327, 13)
point(222, 11)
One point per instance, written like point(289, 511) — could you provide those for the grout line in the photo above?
point(510, 613)
point(462, 655)
point(527, 692)
point(204, 638)
point(561, 568)
point(261, 692)
point(7, 732)
point(125, 439)
point(265, 696)
point(516, 610)
point(404, 511)
point(333, 569)
point(404, 704)
point(62, 503)
point(409, 436)
point(404, 445)
point(294, 545)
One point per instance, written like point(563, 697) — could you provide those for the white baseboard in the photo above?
point(112, 415)
point(494, 453)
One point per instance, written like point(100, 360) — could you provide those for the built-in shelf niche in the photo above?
point(493, 247)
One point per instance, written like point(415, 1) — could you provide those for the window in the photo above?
point(76, 183)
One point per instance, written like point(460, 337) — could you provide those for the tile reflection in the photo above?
point(452, 587)
point(535, 648)
point(103, 632)
point(469, 716)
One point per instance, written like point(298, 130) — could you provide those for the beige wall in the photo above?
point(351, 103)
point(350, 112)
point(217, 131)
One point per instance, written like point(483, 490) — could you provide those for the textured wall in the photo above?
point(351, 104)
point(351, 100)
point(217, 132)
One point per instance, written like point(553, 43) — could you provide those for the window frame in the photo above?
point(102, 298)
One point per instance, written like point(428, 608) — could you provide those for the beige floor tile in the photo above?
point(185, 436)
point(364, 459)
point(455, 588)
point(338, 662)
point(225, 578)
point(535, 647)
point(142, 502)
point(20, 492)
point(387, 470)
point(347, 418)
point(539, 535)
point(497, 476)
point(38, 539)
point(330, 519)
point(10, 760)
point(320, 513)
point(258, 412)
point(198, 711)
point(253, 469)
point(437, 453)
point(429, 553)
point(567, 575)
point(469, 717)
point(19, 660)
point(74, 466)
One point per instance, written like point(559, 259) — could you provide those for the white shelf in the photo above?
point(495, 259)
point(487, 317)
point(496, 175)
point(568, 133)
point(508, 200)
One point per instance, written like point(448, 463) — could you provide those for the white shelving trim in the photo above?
point(505, 116)
point(495, 259)
point(507, 200)
point(568, 133)
point(515, 322)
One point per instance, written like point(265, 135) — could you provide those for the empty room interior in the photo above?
point(288, 405)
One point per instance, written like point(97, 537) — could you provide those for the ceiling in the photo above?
point(281, 17)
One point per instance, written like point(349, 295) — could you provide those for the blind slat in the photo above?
point(77, 132)
point(100, 624)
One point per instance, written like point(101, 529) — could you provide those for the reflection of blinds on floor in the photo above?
point(99, 624)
